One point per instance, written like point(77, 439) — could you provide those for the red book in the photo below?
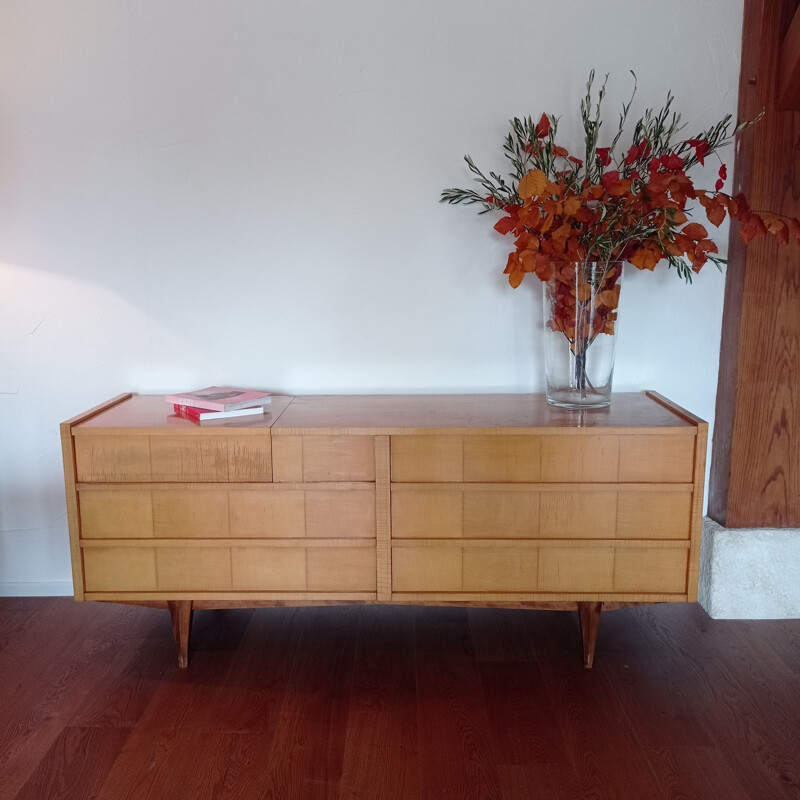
point(220, 398)
point(200, 414)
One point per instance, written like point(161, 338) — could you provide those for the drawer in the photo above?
point(458, 568)
point(455, 458)
point(513, 512)
point(255, 567)
point(604, 569)
point(305, 569)
point(323, 458)
point(181, 459)
point(556, 458)
point(213, 513)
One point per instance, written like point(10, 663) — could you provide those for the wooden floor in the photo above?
point(392, 702)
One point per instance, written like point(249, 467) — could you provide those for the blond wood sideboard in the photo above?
point(488, 500)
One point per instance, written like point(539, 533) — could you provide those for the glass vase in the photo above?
point(580, 324)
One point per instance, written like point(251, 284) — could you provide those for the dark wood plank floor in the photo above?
point(393, 702)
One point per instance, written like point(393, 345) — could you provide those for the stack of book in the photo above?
point(219, 402)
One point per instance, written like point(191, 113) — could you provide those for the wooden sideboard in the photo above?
point(486, 500)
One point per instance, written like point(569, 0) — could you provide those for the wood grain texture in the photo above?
point(756, 458)
point(570, 506)
point(180, 612)
point(324, 458)
point(383, 517)
point(789, 66)
point(151, 415)
point(218, 512)
point(555, 458)
point(73, 512)
point(383, 703)
point(469, 414)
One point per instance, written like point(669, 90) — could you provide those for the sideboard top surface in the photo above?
point(472, 413)
point(151, 413)
point(397, 414)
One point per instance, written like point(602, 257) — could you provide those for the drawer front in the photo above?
point(180, 459)
point(465, 512)
point(455, 459)
point(210, 513)
point(463, 568)
point(633, 570)
point(255, 567)
point(460, 568)
point(323, 458)
point(557, 458)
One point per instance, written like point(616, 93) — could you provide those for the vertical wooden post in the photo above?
point(181, 613)
point(589, 615)
point(755, 466)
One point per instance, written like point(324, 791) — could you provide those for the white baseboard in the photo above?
point(749, 573)
point(36, 589)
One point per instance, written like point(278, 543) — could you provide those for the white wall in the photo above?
point(246, 191)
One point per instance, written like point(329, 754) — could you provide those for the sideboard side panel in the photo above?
point(73, 514)
point(70, 473)
point(697, 511)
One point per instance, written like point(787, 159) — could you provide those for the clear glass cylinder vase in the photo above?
point(581, 303)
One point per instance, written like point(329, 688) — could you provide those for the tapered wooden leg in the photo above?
point(181, 613)
point(589, 614)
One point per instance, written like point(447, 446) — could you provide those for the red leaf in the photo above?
point(561, 151)
point(604, 154)
point(672, 162)
point(543, 128)
point(610, 178)
point(752, 228)
point(701, 147)
point(723, 172)
point(506, 225)
point(719, 184)
point(637, 151)
point(576, 161)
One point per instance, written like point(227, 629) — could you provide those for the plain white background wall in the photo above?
point(245, 191)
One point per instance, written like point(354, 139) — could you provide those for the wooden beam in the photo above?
point(755, 473)
point(789, 97)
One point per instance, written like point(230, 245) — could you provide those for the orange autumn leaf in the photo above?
point(528, 263)
point(620, 187)
point(752, 228)
point(608, 298)
point(544, 267)
point(706, 246)
point(644, 258)
point(773, 223)
point(584, 292)
point(679, 217)
point(559, 236)
point(515, 279)
point(533, 184)
point(715, 213)
point(572, 206)
point(695, 230)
